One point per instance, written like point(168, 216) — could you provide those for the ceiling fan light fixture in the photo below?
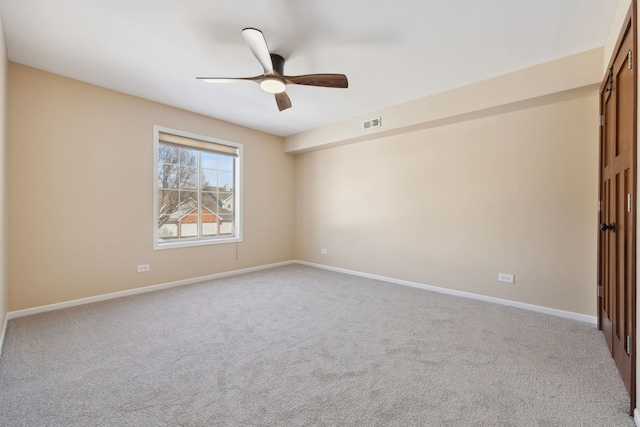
point(272, 84)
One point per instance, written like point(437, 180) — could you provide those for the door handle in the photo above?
point(605, 227)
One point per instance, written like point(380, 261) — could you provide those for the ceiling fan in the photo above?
point(273, 80)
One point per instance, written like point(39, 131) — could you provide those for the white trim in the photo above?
point(104, 297)
point(197, 242)
point(525, 306)
point(113, 295)
point(636, 417)
point(4, 332)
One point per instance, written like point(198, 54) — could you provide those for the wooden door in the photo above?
point(616, 243)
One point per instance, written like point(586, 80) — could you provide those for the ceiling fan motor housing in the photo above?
point(275, 84)
point(278, 63)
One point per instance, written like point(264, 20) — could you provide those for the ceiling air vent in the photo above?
point(372, 123)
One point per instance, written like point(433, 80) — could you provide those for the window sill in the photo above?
point(186, 244)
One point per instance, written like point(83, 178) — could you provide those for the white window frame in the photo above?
point(237, 199)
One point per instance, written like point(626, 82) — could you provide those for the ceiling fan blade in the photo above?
point(283, 101)
point(258, 45)
point(323, 80)
point(256, 79)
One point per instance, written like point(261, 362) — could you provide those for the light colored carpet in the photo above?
point(299, 346)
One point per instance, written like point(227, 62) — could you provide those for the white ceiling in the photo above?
point(391, 51)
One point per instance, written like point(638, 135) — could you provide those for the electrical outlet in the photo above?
point(507, 278)
point(142, 268)
point(323, 251)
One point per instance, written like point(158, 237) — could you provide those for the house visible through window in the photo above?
point(196, 189)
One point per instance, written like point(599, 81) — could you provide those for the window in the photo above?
point(196, 188)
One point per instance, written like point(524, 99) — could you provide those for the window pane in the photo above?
point(168, 231)
point(209, 222)
point(168, 201)
point(188, 202)
point(209, 160)
point(226, 201)
point(189, 226)
point(188, 157)
point(225, 163)
point(188, 178)
point(168, 154)
point(167, 176)
point(226, 227)
point(209, 201)
point(209, 179)
point(225, 180)
point(209, 228)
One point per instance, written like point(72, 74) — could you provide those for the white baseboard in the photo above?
point(104, 297)
point(4, 332)
point(50, 307)
point(525, 306)
point(636, 417)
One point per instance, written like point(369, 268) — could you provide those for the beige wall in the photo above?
point(3, 252)
point(495, 177)
point(455, 205)
point(565, 78)
point(80, 193)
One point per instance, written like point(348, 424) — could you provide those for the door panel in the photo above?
point(616, 240)
point(607, 253)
